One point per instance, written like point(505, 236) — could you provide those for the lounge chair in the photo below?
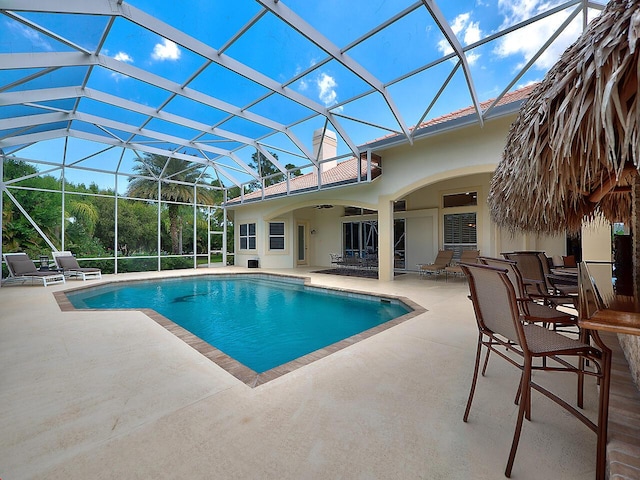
point(467, 256)
point(439, 264)
point(66, 262)
point(21, 268)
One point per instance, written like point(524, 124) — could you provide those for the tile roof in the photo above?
point(345, 172)
point(511, 97)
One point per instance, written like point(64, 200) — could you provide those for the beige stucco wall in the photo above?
point(596, 242)
point(551, 245)
point(328, 237)
point(451, 162)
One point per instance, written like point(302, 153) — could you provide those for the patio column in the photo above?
point(385, 238)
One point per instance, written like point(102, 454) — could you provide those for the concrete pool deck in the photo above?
point(114, 395)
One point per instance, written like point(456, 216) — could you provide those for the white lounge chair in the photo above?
point(22, 268)
point(66, 262)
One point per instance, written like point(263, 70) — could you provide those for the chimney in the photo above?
point(325, 147)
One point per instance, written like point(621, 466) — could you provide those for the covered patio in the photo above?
point(84, 397)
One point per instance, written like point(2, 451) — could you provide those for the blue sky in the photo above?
point(276, 50)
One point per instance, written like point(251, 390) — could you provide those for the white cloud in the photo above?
point(468, 31)
point(118, 76)
point(472, 33)
point(32, 36)
point(123, 57)
point(472, 58)
point(526, 84)
point(445, 47)
point(515, 11)
point(525, 42)
point(167, 50)
point(303, 83)
point(326, 86)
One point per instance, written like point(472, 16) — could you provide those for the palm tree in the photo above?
point(168, 171)
point(84, 212)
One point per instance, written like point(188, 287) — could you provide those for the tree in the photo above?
point(217, 218)
point(44, 208)
point(81, 218)
point(169, 170)
point(267, 169)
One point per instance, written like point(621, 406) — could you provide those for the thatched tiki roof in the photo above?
point(574, 149)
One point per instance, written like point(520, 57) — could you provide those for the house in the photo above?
point(405, 202)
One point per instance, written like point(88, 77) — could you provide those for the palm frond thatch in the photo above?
point(574, 146)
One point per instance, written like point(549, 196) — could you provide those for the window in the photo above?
point(247, 236)
point(351, 211)
point(351, 239)
point(467, 199)
point(276, 236)
point(460, 232)
point(360, 238)
point(400, 206)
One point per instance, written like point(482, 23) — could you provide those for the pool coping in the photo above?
point(243, 373)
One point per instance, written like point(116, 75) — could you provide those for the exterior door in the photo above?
point(301, 244)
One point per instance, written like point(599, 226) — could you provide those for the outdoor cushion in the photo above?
point(21, 266)
point(67, 262)
point(557, 261)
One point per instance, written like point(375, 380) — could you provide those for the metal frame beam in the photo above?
point(446, 30)
point(166, 31)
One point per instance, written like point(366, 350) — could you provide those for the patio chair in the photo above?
point(66, 262)
point(336, 259)
point(500, 327)
point(439, 264)
point(370, 260)
point(534, 268)
point(467, 256)
point(22, 268)
point(532, 311)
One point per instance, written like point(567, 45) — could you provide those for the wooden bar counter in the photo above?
point(603, 309)
point(622, 317)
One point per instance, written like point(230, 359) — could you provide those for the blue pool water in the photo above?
point(259, 322)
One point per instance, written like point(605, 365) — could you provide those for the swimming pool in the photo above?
point(260, 321)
